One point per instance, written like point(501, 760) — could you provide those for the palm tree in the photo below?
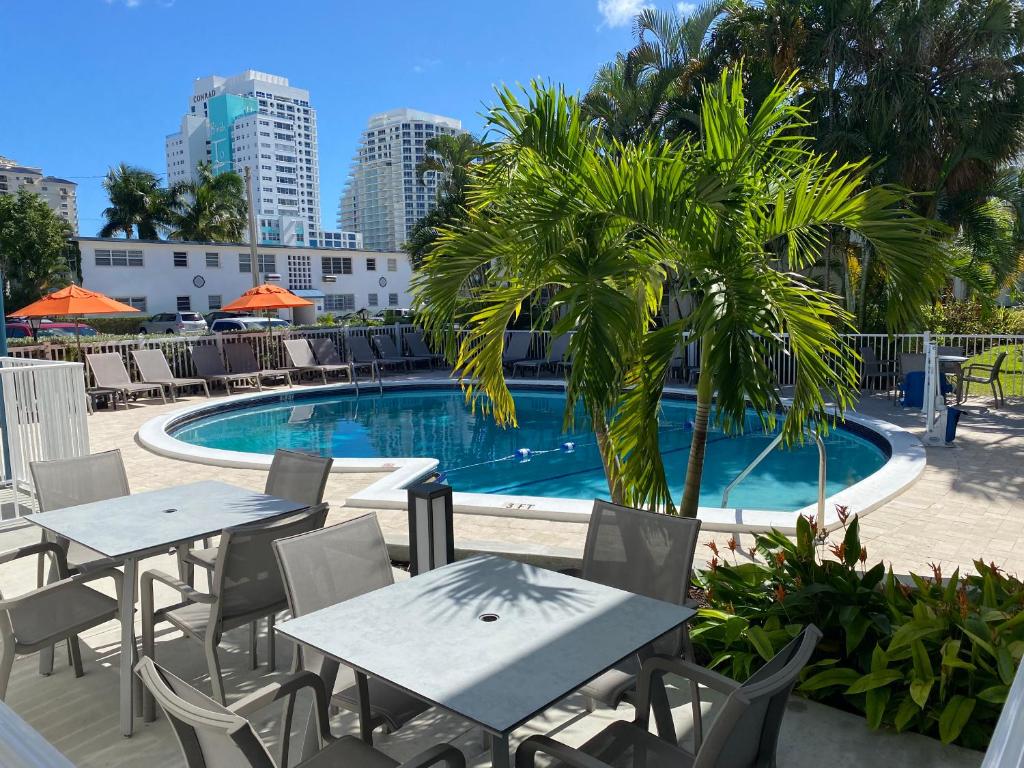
point(210, 208)
point(137, 203)
point(596, 227)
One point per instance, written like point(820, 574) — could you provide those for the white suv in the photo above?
point(228, 324)
point(174, 322)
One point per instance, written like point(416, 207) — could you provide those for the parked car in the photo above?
point(174, 322)
point(219, 313)
point(23, 330)
point(245, 323)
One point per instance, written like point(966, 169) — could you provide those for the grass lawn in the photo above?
point(1011, 376)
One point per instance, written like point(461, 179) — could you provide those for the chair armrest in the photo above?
point(291, 685)
point(187, 557)
point(526, 754)
point(188, 592)
point(41, 548)
point(436, 754)
point(78, 578)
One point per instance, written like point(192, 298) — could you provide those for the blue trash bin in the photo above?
point(913, 390)
point(952, 419)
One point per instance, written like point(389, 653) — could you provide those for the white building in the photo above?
point(60, 194)
point(383, 197)
point(258, 121)
point(166, 275)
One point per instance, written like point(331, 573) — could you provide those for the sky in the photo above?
point(91, 83)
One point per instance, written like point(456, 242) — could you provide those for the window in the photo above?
point(244, 262)
point(336, 265)
point(180, 259)
point(267, 262)
point(392, 299)
point(183, 303)
point(371, 265)
point(371, 300)
point(339, 302)
point(213, 260)
point(213, 301)
point(392, 264)
point(139, 302)
point(111, 258)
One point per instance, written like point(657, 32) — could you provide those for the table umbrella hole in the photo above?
point(488, 617)
point(169, 510)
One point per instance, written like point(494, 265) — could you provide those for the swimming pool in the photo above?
point(476, 456)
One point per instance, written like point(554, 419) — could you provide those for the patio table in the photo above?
point(494, 641)
point(129, 528)
point(958, 371)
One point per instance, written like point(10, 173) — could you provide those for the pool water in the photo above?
point(477, 456)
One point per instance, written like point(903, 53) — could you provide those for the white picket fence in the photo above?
point(43, 417)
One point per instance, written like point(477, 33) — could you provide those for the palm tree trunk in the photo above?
point(862, 299)
point(608, 458)
point(695, 465)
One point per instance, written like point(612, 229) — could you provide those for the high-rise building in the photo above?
point(258, 121)
point(60, 194)
point(383, 197)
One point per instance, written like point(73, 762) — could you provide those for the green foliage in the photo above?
point(33, 248)
point(935, 656)
point(973, 316)
point(210, 208)
point(138, 205)
point(116, 326)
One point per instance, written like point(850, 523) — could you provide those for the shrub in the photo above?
point(934, 656)
point(116, 325)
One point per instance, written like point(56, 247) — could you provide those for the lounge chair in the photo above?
point(362, 354)
point(211, 735)
point(247, 587)
point(153, 367)
point(242, 359)
point(414, 340)
point(989, 374)
point(745, 731)
point(555, 356)
point(109, 372)
point(516, 349)
point(388, 351)
point(206, 358)
point(327, 354)
point(300, 355)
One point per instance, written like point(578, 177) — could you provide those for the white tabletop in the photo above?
point(143, 522)
point(953, 359)
point(21, 746)
point(553, 633)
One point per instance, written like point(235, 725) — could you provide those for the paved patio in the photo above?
point(967, 505)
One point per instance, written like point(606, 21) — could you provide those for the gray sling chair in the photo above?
point(986, 374)
point(300, 355)
point(247, 587)
point(109, 373)
point(326, 353)
point(361, 353)
point(555, 355)
point(516, 349)
point(154, 369)
point(214, 736)
point(745, 734)
point(35, 620)
point(388, 351)
point(209, 365)
point(414, 340)
point(242, 359)
point(327, 567)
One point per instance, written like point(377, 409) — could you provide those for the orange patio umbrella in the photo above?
point(73, 301)
point(266, 297)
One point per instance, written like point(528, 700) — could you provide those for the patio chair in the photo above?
point(517, 349)
point(209, 365)
point(909, 362)
point(153, 368)
point(242, 359)
point(329, 566)
point(745, 733)
point(555, 356)
point(214, 736)
point(34, 621)
point(326, 353)
point(414, 340)
point(874, 368)
point(388, 351)
point(988, 374)
point(109, 372)
point(648, 554)
point(246, 587)
point(300, 355)
point(361, 353)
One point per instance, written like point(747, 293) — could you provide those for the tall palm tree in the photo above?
point(596, 227)
point(137, 203)
point(210, 208)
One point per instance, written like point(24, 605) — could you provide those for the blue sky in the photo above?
point(90, 83)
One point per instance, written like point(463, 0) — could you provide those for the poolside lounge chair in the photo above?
point(388, 351)
point(300, 355)
point(745, 731)
point(555, 356)
point(214, 736)
point(206, 358)
point(517, 348)
point(246, 587)
point(329, 566)
point(414, 340)
point(109, 372)
point(988, 374)
point(362, 354)
point(153, 367)
point(242, 359)
point(327, 354)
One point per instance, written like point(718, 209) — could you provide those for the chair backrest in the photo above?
point(81, 480)
point(108, 369)
point(911, 361)
point(1000, 358)
point(300, 354)
point(646, 553)
point(246, 578)
point(325, 351)
point(518, 346)
point(386, 346)
point(298, 477)
point(359, 349)
point(958, 351)
point(868, 356)
point(558, 348)
point(414, 339)
point(241, 357)
point(746, 731)
point(209, 734)
point(206, 358)
point(152, 365)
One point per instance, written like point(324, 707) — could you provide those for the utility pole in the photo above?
point(253, 258)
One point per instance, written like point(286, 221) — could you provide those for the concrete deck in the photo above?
point(967, 505)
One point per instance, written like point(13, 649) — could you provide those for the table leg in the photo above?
point(499, 751)
point(365, 718)
point(127, 610)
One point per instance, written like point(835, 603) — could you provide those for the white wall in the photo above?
point(161, 283)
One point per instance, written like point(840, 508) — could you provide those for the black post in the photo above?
point(431, 532)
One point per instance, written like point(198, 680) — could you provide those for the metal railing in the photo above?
point(822, 471)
